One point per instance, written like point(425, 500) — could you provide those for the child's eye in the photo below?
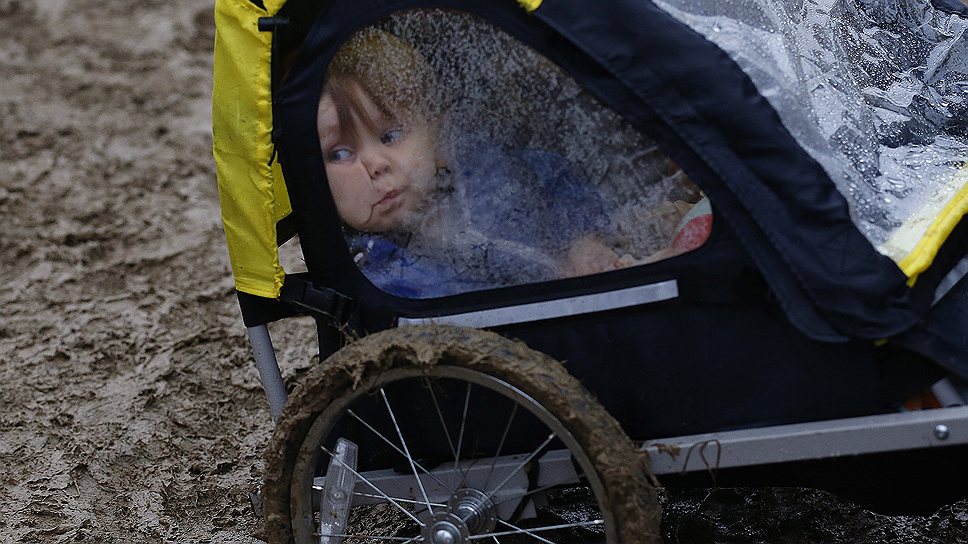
point(338, 155)
point(392, 135)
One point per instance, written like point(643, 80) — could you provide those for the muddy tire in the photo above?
point(427, 361)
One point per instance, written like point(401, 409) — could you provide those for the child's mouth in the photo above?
point(389, 197)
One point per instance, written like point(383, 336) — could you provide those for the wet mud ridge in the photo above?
point(798, 515)
point(132, 411)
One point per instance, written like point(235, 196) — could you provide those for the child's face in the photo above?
point(377, 177)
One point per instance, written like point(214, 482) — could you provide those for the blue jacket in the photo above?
point(517, 214)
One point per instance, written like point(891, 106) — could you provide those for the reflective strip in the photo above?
point(947, 283)
point(524, 313)
point(530, 5)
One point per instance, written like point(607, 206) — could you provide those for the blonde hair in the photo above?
point(389, 72)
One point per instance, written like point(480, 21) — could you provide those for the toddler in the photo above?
point(434, 211)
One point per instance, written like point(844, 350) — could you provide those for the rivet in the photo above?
point(941, 432)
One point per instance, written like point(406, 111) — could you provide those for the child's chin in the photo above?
point(389, 227)
point(410, 220)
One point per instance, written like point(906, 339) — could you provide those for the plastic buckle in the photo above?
point(271, 24)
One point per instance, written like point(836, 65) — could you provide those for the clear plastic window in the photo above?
point(460, 160)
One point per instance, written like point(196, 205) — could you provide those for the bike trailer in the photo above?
point(739, 225)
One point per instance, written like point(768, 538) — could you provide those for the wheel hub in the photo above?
point(469, 512)
point(447, 528)
point(474, 509)
point(446, 532)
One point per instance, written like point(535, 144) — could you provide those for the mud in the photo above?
point(131, 409)
point(799, 516)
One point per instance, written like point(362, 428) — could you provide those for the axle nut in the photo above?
point(444, 536)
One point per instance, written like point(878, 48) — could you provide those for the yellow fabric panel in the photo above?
point(273, 6)
point(282, 206)
point(530, 5)
point(921, 257)
point(251, 192)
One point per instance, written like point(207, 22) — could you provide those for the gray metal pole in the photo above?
point(269, 373)
point(881, 433)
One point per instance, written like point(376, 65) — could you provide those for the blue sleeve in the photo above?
point(575, 207)
point(397, 271)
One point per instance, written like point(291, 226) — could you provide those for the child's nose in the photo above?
point(377, 164)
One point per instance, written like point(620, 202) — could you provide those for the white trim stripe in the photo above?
point(537, 311)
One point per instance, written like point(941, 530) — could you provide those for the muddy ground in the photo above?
point(130, 410)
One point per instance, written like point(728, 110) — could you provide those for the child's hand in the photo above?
point(589, 255)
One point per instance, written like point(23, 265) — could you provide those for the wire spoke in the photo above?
point(440, 415)
point(403, 442)
point(539, 529)
point(375, 488)
point(519, 467)
point(398, 450)
point(525, 531)
point(514, 410)
point(460, 437)
point(404, 539)
point(398, 499)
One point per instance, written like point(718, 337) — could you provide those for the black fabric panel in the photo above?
point(951, 6)
point(943, 335)
point(285, 229)
point(298, 146)
point(785, 209)
point(259, 310)
point(687, 367)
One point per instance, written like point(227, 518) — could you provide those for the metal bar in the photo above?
point(814, 440)
point(524, 313)
point(269, 373)
point(556, 468)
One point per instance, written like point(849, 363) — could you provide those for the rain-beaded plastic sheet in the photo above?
point(876, 91)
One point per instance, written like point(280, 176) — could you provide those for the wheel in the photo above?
point(446, 435)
